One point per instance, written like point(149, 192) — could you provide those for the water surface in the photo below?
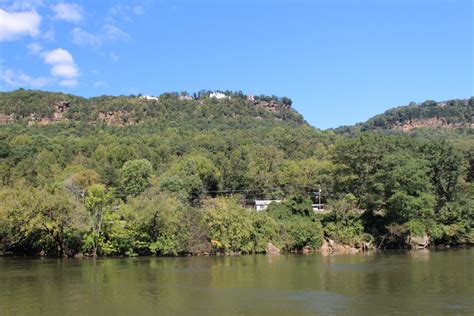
point(422, 283)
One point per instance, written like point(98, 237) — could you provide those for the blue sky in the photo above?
point(340, 61)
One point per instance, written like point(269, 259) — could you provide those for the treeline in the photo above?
point(166, 111)
point(202, 94)
point(185, 186)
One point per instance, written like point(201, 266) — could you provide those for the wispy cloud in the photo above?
point(16, 79)
point(112, 32)
point(70, 12)
point(22, 5)
point(49, 34)
point(109, 32)
point(124, 12)
point(35, 48)
point(81, 37)
point(14, 25)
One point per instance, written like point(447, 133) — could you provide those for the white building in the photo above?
point(261, 205)
point(149, 97)
point(218, 95)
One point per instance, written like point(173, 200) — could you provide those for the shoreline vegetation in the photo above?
point(178, 175)
point(324, 250)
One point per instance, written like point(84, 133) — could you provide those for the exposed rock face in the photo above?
point(60, 109)
point(325, 247)
point(434, 122)
point(7, 119)
point(116, 118)
point(272, 249)
point(272, 106)
point(418, 242)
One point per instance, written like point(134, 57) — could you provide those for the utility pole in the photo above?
point(319, 196)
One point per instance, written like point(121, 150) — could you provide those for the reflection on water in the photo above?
point(421, 282)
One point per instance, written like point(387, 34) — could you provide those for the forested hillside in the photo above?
point(452, 114)
point(177, 174)
point(201, 111)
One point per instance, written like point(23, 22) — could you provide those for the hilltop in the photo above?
point(452, 114)
point(201, 111)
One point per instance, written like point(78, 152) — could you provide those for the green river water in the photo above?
point(392, 282)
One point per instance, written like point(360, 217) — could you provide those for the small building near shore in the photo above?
point(318, 207)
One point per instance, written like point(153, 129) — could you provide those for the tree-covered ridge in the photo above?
point(454, 114)
point(202, 111)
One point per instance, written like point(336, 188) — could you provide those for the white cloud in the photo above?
point(17, 79)
point(58, 56)
point(62, 66)
point(16, 24)
point(114, 33)
point(35, 48)
point(114, 57)
point(70, 12)
point(65, 71)
point(82, 37)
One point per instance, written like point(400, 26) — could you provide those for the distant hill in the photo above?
point(452, 114)
point(205, 110)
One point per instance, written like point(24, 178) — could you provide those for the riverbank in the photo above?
point(325, 250)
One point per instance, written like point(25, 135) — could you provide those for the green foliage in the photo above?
point(135, 175)
point(234, 229)
point(407, 188)
point(446, 164)
point(39, 220)
point(300, 233)
point(344, 224)
point(98, 203)
point(453, 112)
point(155, 178)
point(192, 177)
point(416, 228)
point(230, 226)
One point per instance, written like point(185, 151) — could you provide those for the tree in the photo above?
point(193, 176)
point(159, 222)
point(98, 203)
point(30, 212)
point(234, 229)
point(135, 177)
point(407, 188)
point(446, 164)
point(356, 163)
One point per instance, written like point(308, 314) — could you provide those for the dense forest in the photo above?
point(178, 174)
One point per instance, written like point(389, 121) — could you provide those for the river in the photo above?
point(392, 282)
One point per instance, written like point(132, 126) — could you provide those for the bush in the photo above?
point(300, 233)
